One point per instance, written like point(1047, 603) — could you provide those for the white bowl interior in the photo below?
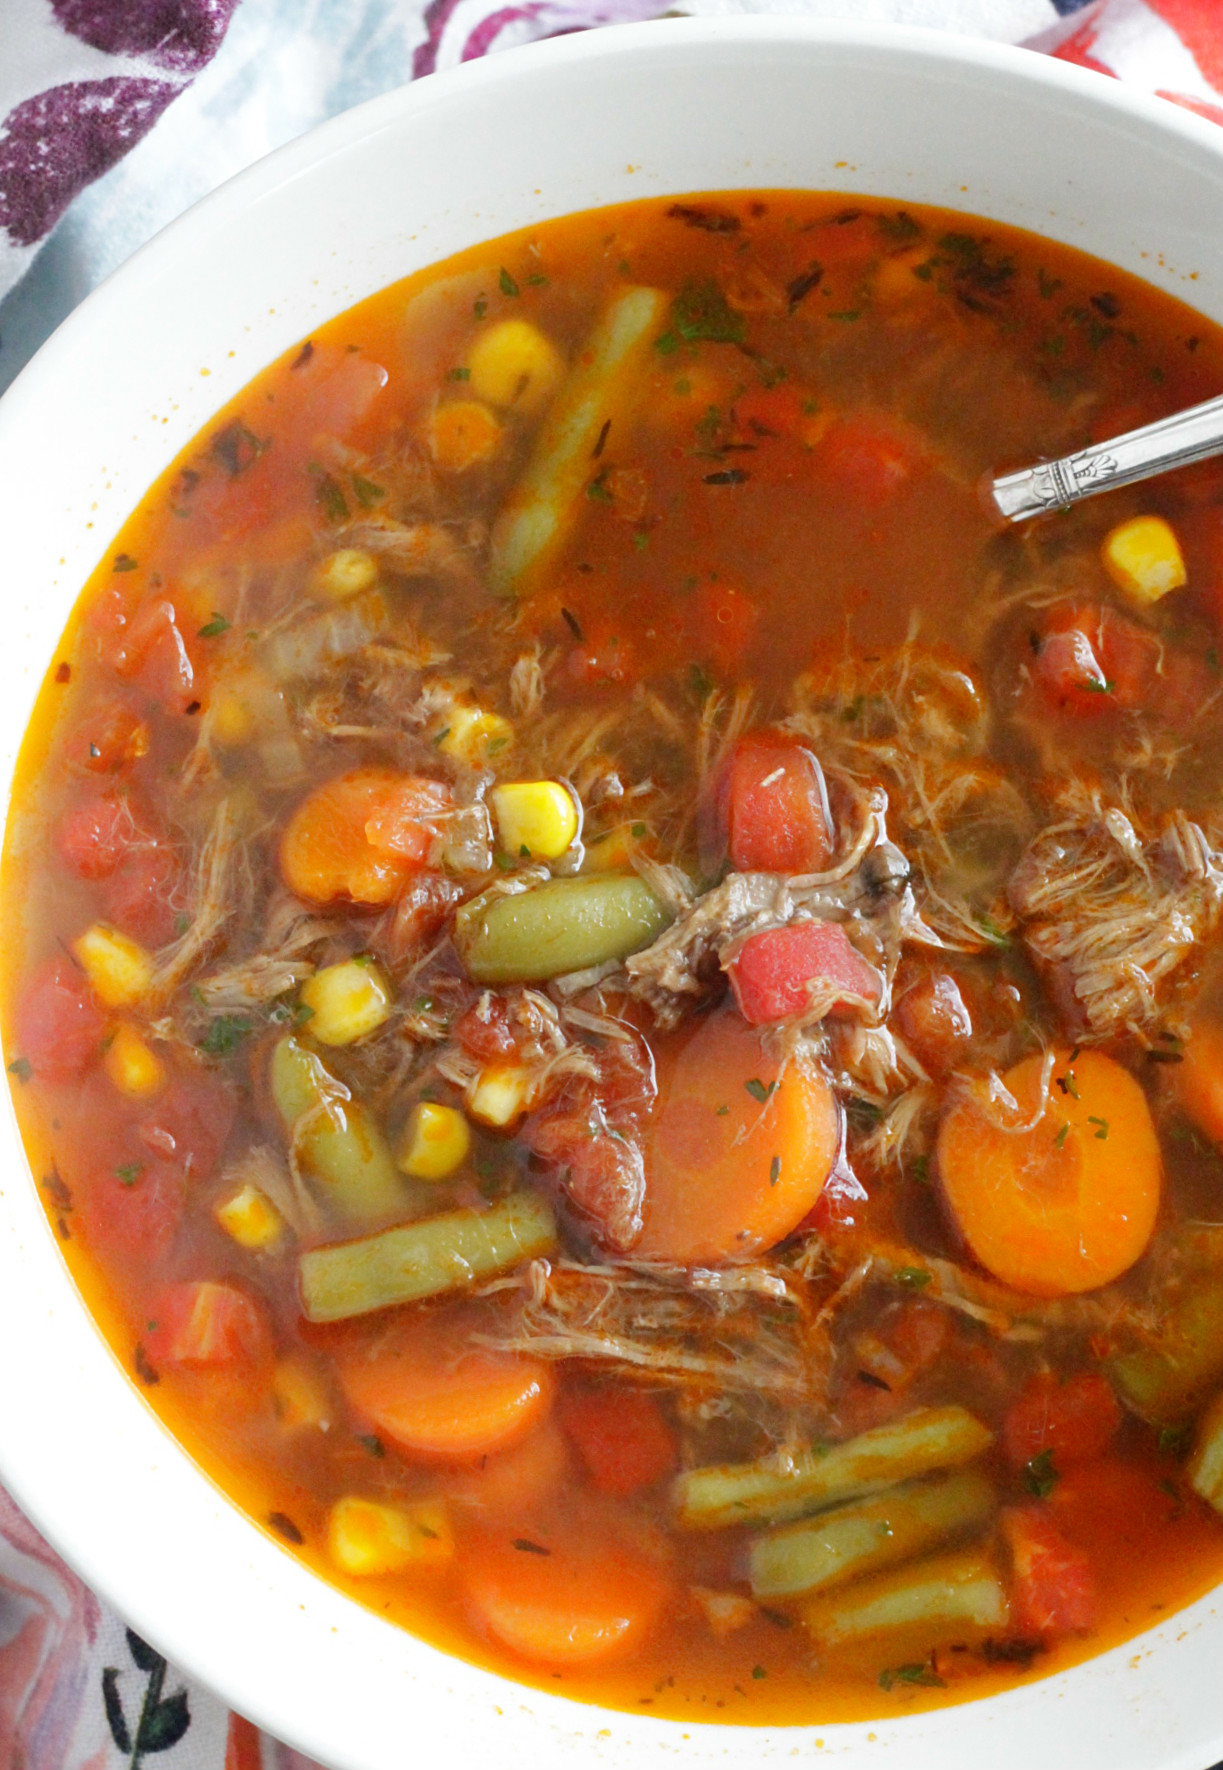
point(405, 181)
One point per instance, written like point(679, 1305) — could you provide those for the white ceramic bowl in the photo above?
point(643, 110)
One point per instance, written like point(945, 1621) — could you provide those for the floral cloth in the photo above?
point(81, 83)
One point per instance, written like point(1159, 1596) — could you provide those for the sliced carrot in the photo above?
point(621, 1435)
point(519, 1481)
point(360, 836)
point(1199, 1079)
point(1069, 1203)
point(737, 1152)
point(557, 1602)
point(449, 1409)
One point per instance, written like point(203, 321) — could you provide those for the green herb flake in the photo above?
point(528, 1547)
point(330, 496)
point(460, 374)
point(917, 1673)
point(722, 1111)
point(129, 1173)
point(637, 831)
point(479, 307)
point(1068, 1086)
point(913, 1277)
point(372, 1443)
point(700, 313)
point(225, 1035)
point(598, 489)
point(507, 284)
point(699, 681)
point(919, 1167)
point(1061, 1136)
point(1174, 1441)
point(214, 628)
point(759, 1090)
point(759, 1672)
point(367, 493)
point(537, 280)
point(775, 1170)
point(1041, 1475)
point(123, 562)
point(22, 1068)
point(1102, 1131)
point(1047, 285)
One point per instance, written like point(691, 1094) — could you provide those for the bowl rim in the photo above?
point(278, 1582)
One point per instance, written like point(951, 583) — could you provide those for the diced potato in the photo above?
point(1205, 1466)
point(119, 970)
point(436, 1141)
point(536, 820)
point(927, 1604)
point(1179, 1359)
point(300, 1396)
point(1144, 560)
point(230, 720)
point(462, 434)
point(847, 1541)
point(448, 1252)
point(770, 1490)
point(250, 1218)
point(514, 364)
point(365, 1537)
point(339, 1145)
point(346, 1001)
point(474, 736)
point(500, 1095)
point(134, 1068)
point(346, 572)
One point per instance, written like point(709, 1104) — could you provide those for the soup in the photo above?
point(615, 1002)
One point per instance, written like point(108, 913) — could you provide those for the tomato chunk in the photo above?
point(867, 458)
point(775, 807)
point(97, 833)
point(204, 1322)
point(783, 971)
point(153, 650)
point(1092, 661)
point(112, 738)
point(59, 1025)
point(1053, 1588)
point(1076, 1419)
point(621, 1437)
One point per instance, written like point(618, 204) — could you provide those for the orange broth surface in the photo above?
point(777, 532)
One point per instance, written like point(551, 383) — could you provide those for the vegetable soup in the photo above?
point(614, 996)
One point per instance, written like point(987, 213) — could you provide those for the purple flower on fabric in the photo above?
point(181, 36)
point(56, 143)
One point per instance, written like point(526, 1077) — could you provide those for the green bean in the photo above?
point(928, 1603)
point(444, 1253)
point(542, 509)
point(339, 1146)
point(867, 1534)
point(562, 925)
point(1165, 1377)
point(770, 1490)
point(1205, 1466)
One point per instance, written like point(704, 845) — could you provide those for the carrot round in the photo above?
point(449, 1409)
point(360, 836)
point(1199, 1079)
point(1068, 1204)
point(737, 1152)
point(558, 1603)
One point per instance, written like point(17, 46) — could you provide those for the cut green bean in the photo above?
point(542, 510)
point(423, 1259)
point(771, 1490)
point(1165, 1378)
point(562, 925)
point(338, 1145)
point(928, 1603)
point(868, 1534)
point(1205, 1466)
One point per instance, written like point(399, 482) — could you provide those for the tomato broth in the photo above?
point(613, 992)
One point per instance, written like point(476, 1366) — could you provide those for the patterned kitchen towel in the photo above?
point(81, 82)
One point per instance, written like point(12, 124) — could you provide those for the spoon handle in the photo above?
point(1187, 436)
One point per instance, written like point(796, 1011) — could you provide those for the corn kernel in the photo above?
point(251, 1218)
point(1143, 558)
point(436, 1140)
point(230, 720)
point(346, 1001)
point(365, 1537)
point(132, 1066)
point(346, 572)
point(462, 434)
point(119, 970)
point(535, 819)
point(473, 736)
point(514, 364)
point(500, 1095)
point(300, 1396)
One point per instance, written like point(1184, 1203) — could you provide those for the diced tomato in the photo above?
point(58, 1024)
point(190, 1123)
point(1053, 1588)
point(96, 834)
point(1076, 1419)
point(144, 897)
point(840, 1204)
point(484, 1030)
point(775, 807)
point(866, 458)
point(934, 1019)
point(887, 1359)
point(404, 822)
point(1093, 660)
point(132, 1207)
point(620, 1435)
point(777, 973)
point(112, 738)
point(208, 1323)
point(723, 622)
point(154, 651)
point(606, 656)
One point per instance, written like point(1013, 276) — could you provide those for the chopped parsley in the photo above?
point(124, 563)
point(1041, 1475)
point(507, 284)
point(913, 1276)
point(225, 1035)
point(214, 628)
point(129, 1173)
point(22, 1068)
point(775, 1170)
point(367, 493)
point(759, 1090)
point(1061, 1136)
point(1102, 1124)
point(528, 1547)
point(918, 1672)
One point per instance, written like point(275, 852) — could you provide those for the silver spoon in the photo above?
point(1192, 435)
